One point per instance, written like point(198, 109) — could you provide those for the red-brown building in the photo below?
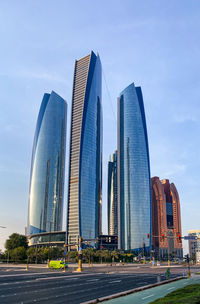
point(166, 219)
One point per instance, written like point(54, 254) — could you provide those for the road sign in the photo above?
point(190, 237)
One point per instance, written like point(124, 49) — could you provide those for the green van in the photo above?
point(57, 264)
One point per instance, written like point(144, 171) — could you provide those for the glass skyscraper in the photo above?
point(112, 195)
point(134, 184)
point(47, 166)
point(85, 162)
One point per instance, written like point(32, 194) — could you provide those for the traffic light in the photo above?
point(163, 236)
point(148, 235)
point(179, 237)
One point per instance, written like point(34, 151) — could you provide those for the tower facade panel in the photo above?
point(85, 164)
point(134, 188)
point(112, 196)
point(47, 166)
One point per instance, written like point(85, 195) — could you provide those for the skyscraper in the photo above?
point(85, 162)
point(173, 214)
point(166, 218)
point(47, 166)
point(194, 245)
point(134, 184)
point(159, 218)
point(112, 195)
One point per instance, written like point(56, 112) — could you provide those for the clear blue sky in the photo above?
point(153, 43)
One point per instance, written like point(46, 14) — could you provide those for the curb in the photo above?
point(130, 291)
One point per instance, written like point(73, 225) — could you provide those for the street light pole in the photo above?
point(143, 245)
point(168, 255)
point(49, 247)
point(79, 269)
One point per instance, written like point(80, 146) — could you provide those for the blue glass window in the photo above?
point(47, 166)
point(135, 189)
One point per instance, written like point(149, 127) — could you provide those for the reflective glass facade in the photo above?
point(47, 239)
point(169, 208)
point(134, 185)
point(112, 195)
point(85, 163)
point(47, 166)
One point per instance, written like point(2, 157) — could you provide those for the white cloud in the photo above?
point(187, 117)
point(40, 75)
point(174, 170)
point(43, 75)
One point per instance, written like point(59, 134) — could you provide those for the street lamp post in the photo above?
point(168, 255)
point(49, 246)
point(143, 245)
point(79, 269)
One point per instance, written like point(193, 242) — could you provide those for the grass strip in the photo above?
point(187, 295)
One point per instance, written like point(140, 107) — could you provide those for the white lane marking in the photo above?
point(35, 285)
point(46, 273)
point(170, 288)
point(45, 289)
point(147, 297)
point(93, 280)
point(26, 274)
point(52, 278)
point(63, 277)
point(71, 277)
point(115, 281)
point(64, 294)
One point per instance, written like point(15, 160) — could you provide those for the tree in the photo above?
point(16, 240)
point(103, 255)
point(33, 254)
point(114, 255)
point(89, 254)
point(2, 255)
point(72, 255)
point(18, 254)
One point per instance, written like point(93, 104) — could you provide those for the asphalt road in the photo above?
point(56, 287)
point(45, 286)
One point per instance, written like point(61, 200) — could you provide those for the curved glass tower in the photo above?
point(85, 163)
point(134, 184)
point(47, 166)
point(112, 195)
